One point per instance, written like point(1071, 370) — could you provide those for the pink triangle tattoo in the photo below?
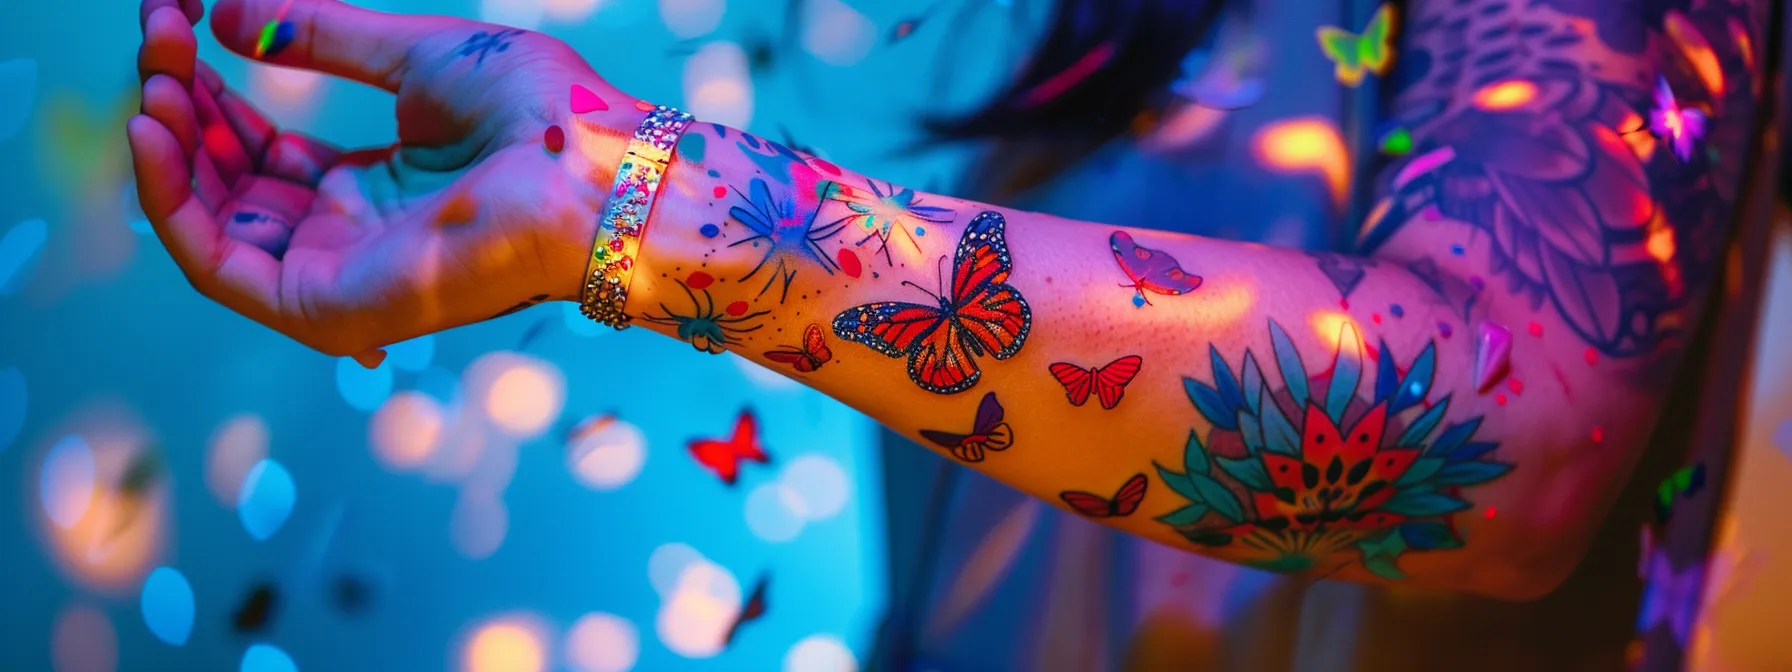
point(1493, 356)
point(583, 100)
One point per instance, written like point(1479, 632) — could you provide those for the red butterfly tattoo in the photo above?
point(809, 356)
point(1108, 382)
point(981, 315)
point(723, 456)
point(988, 432)
point(1125, 501)
point(752, 610)
point(1150, 270)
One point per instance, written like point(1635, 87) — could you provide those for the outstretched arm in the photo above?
point(1458, 408)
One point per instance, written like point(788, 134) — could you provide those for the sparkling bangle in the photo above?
point(624, 221)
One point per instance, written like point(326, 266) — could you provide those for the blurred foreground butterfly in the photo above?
point(750, 611)
point(988, 432)
point(809, 356)
point(981, 315)
point(1107, 382)
point(1372, 51)
point(1150, 270)
point(1125, 501)
point(723, 456)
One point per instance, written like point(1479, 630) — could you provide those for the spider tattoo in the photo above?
point(706, 329)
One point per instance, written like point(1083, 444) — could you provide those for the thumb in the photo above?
point(327, 36)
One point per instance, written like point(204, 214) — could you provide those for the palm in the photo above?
point(461, 220)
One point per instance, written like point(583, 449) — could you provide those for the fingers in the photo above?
point(238, 275)
point(327, 36)
point(169, 46)
point(167, 102)
point(193, 10)
point(299, 159)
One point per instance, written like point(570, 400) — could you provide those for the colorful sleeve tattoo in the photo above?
point(1456, 408)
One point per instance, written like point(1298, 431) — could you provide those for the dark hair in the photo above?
point(1100, 65)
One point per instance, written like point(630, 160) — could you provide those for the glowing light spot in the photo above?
point(1698, 51)
point(413, 355)
point(569, 11)
point(236, 447)
point(691, 18)
point(1489, 513)
point(18, 78)
point(1661, 244)
point(267, 658)
point(266, 500)
point(406, 429)
point(506, 645)
point(1499, 399)
point(1535, 329)
point(1306, 144)
point(1598, 435)
point(699, 280)
point(364, 389)
point(1330, 326)
point(288, 94)
point(717, 86)
point(524, 395)
point(1636, 134)
point(1516, 385)
point(608, 456)
point(770, 515)
point(524, 14)
point(818, 483)
point(578, 324)
point(66, 485)
point(13, 403)
point(667, 563)
point(1224, 300)
point(167, 604)
point(710, 230)
point(836, 33)
point(820, 653)
point(1507, 95)
point(601, 642)
point(694, 619)
point(478, 525)
point(83, 640)
point(1591, 355)
point(19, 252)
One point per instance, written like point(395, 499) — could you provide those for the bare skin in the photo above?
point(1315, 414)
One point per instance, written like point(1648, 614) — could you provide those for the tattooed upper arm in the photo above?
point(1588, 151)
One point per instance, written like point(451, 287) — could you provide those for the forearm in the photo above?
point(727, 265)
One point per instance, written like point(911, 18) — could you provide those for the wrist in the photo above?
point(593, 149)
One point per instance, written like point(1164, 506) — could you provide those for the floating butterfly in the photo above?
point(1150, 270)
point(723, 456)
point(809, 356)
point(1679, 127)
point(1108, 382)
point(906, 27)
point(752, 610)
point(1682, 485)
point(988, 432)
point(1126, 500)
point(257, 609)
point(981, 315)
point(1372, 51)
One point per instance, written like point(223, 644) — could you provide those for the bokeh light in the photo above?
point(118, 538)
point(19, 251)
point(717, 87)
point(605, 453)
point(83, 640)
point(18, 78)
point(1507, 95)
point(771, 515)
point(820, 653)
point(667, 563)
point(13, 404)
point(520, 394)
point(601, 642)
point(267, 658)
point(413, 355)
point(691, 18)
point(478, 524)
point(67, 481)
point(819, 483)
point(1306, 144)
point(266, 500)
point(695, 618)
point(236, 447)
point(405, 431)
point(569, 11)
point(167, 604)
point(364, 389)
point(525, 14)
point(836, 33)
point(506, 644)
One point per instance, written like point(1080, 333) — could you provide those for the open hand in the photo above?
point(466, 217)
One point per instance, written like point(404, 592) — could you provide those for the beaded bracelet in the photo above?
point(624, 221)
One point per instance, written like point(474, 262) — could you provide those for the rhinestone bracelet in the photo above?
point(624, 221)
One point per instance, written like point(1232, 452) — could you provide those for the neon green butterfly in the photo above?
point(1354, 54)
